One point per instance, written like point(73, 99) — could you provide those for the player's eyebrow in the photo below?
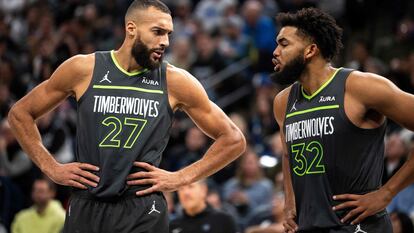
point(281, 39)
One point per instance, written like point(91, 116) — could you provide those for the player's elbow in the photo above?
point(14, 117)
point(238, 141)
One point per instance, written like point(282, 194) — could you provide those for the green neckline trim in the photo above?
point(128, 88)
point(122, 69)
point(312, 110)
point(309, 97)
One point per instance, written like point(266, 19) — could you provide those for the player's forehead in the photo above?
point(288, 33)
point(152, 17)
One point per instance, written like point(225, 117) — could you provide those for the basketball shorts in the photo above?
point(131, 214)
point(375, 224)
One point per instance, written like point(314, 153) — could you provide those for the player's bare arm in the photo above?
point(187, 94)
point(279, 108)
point(70, 79)
point(374, 92)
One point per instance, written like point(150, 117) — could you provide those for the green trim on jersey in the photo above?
point(128, 88)
point(312, 110)
point(122, 69)
point(309, 97)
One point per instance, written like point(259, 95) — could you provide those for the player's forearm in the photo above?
point(403, 178)
point(223, 151)
point(28, 136)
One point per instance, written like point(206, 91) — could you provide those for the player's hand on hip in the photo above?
point(289, 223)
point(77, 175)
point(362, 205)
point(159, 179)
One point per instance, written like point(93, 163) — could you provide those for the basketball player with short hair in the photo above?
point(126, 99)
point(332, 124)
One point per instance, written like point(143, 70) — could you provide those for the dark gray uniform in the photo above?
point(329, 155)
point(122, 117)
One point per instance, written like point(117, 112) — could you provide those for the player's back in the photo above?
point(328, 154)
point(122, 117)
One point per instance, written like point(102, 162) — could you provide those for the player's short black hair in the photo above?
point(145, 4)
point(316, 25)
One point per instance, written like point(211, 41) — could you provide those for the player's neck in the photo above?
point(124, 58)
point(315, 75)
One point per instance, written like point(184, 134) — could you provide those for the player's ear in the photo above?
point(131, 29)
point(310, 51)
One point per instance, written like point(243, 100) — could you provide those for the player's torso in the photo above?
point(122, 117)
point(328, 154)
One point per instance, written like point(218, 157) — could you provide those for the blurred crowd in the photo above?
point(227, 45)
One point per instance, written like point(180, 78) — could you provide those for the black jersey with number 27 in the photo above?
point(122, 117)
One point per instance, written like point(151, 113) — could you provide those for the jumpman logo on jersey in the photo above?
point(294, 106)
point(105, 78)
point(153, 209)
point(359, 230)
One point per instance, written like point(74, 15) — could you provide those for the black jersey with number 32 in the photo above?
point(328, 154)
point(122, 117)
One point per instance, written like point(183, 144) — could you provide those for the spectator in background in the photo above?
point(181, 54)
point(184, 24)
point(198, 216)
point(363, 61)
point(195, 146)
point(46, 214)
point(267, 218)
point(249, 188)
point(208, 61)
point(15, 164)
point(211, 12)
point(276, 146)
point(262, 123)
point(215, 200)
point(234, 45)
point(403, 202)
point(401, 223)
point(6, 100)
point(395, 156)
point(261, 30)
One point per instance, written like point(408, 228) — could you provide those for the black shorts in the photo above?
point(374, 224)
point(132, 214)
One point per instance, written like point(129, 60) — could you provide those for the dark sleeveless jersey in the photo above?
point(122, 117)
point(328, 154)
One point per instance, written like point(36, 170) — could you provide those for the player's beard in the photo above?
point(291, 72)
point(142, 55)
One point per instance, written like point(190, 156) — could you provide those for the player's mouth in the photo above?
point(277, 64)
point(157, 54)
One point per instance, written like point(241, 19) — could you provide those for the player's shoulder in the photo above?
point(81, 63)
point(365, 83)
point(181, 81)
point(283, 95)
point(281, 99)
point(176, 74)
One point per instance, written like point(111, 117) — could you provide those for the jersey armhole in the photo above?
point(165, 87)
point(86, 93)
point(348, 121)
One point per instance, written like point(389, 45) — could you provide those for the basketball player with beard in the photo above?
point(333, 123)
point(126, 99)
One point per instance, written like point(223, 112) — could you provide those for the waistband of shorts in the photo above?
point(129, 193)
